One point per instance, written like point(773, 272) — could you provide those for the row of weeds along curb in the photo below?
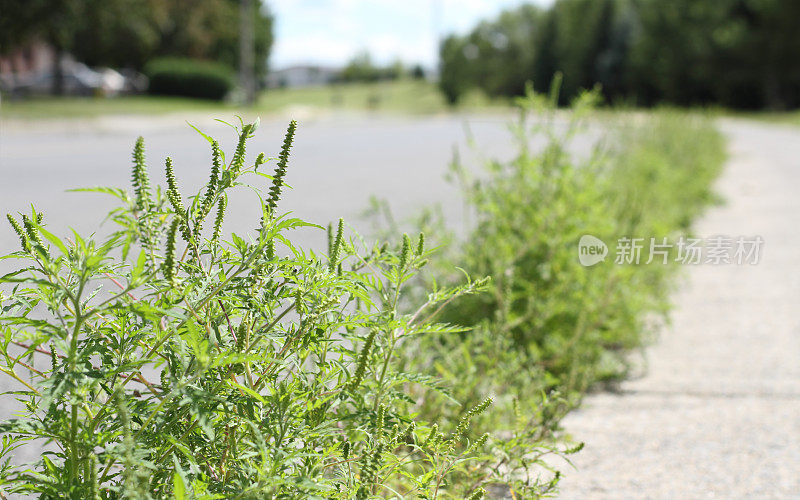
point(547, 328)
point(173, 360)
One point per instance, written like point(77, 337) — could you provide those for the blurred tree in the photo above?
point(394, 71)
point(545, 65)
point(506, 50)
point(210, 30)
point(497, 56)
point(418, 72)
point(674, 58)
point(127, 33)
point(246, 61)
point(118, 33)
point(579, 38)
point(582, 34)
point(454, 69)
point(55, 21)
point(738, 53)
point(18, 22)
point(587, 41)
point(776, 45)
point(360, 69)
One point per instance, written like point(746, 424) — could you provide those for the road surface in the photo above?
point(337, 163)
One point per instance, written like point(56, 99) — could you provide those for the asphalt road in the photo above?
point(337, 164)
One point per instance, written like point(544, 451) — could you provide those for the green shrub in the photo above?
point(189, 78)
point(647, 180)
point(530, 213)
point(664, 171)
point(549, 328)
point(183, 364)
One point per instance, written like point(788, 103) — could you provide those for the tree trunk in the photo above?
point(58, 72)
point(772, 92)
point(246, 56)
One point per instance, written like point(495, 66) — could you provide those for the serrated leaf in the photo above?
point(205, 136)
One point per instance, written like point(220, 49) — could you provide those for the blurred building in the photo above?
point(25, 63)
point(301, 76)
point(31, 70)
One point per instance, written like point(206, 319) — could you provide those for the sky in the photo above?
point(331, 32)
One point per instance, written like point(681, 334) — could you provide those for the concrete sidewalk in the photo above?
point(718, 413)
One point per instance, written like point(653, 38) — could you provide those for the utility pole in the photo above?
point(437, 15)
point(246, 55)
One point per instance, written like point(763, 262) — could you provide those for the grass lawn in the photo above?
point(782, 117)
point(401, 96)
point(767, 116)
point(39, 108)
point(405, 96)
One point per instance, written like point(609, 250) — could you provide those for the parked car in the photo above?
point(80, 80)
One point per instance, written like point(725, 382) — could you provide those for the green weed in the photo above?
point(548, 328)
point(184, 363)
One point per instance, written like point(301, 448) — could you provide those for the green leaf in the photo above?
point(294, 223)
point(53, 239)
point(249, 391)
point(178, 487)
point(239, 243)
point(205, 136)
point(115, 192)
point(137, 271)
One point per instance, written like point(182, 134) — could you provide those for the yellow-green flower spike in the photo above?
point(280, 169)
point(221, 204)
point(333, 258)
point(169, 258)
point(358, 376)
point(237, 162)
point(23, 238)
point(140, 178)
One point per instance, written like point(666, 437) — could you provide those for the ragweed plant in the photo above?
point(548, 328)
point(651, 179)
point(172, 360)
